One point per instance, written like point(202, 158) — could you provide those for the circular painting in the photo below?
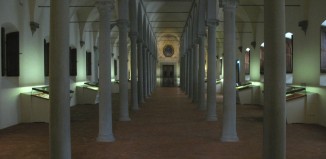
point(168, 51)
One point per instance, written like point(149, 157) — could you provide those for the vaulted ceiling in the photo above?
point(168, 17)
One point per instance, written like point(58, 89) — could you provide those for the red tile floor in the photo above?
point(167, 126)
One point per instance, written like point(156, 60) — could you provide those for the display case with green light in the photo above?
point(293, 92)
point(243, 86)
point(91, 85)
point(44, 92)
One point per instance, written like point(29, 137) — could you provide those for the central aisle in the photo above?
point(167, 126)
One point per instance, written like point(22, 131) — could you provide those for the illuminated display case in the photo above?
point(293, 92)
point(43, 92)
point(243, 86)
point(91, 85)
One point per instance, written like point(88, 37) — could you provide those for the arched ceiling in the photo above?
point(168, 17)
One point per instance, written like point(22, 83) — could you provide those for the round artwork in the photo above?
point(168, 50)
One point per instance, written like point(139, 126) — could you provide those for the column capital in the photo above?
point(104, 5)
point(212, 22)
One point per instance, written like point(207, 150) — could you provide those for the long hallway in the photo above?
point(167, 126)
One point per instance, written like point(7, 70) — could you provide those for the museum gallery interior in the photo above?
point(131, 79)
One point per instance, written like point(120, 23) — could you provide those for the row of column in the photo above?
point(274, 112)
point(193, 64)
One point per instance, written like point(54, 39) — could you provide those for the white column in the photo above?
point(123, 60)
point(134, 93)
point(140, 72)
point(274, 144)
point(229, 133)
point(195, 71)
point(133, 52)
point(95, 65)
point(211, 71)
point(145, 72)
point(105, 106)
point(140, 57)
point(191, 73)
point(60, 142)
point(201, 74)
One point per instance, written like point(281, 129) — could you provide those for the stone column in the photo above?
point(211, 71)
point(274, 144)
point(133, 50)
point(140, 58)
point(201, 74)
point(134, 93)
point(191, 73)
point(229, 133)
point(186, 72)
point(145, 72)
point(195, 71)
point(60, 142)
point(123, 60)
point(95, 65)
point(105, 106)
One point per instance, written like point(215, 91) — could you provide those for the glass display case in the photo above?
point(91, 85)
point(293, 92)
point(243, 86)
point(43, 92)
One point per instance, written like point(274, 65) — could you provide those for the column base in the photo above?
point(135, 108)
point(105, 138)
point(233, 138)
point(211, 118)
point(124, 119)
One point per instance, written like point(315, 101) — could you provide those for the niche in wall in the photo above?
point(46, 58)
point(88, 63)
point(9, 53)
point(73, 61)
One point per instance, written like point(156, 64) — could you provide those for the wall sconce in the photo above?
point(95, 48)
point(253, 44)
point(304, 25)
point(82, 43)
point(34, 26)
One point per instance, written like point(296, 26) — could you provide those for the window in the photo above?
point(46, 57)
point(9, 53)
point(247, 61)
point(73, 62)
point(262, 58)
point(323, 49)
point(3, 52)
point(88, 63)
point(115, 67)
point(289, 52)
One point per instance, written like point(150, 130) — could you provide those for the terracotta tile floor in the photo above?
point(168, 126)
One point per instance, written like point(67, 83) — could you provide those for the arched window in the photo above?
point(262, 58)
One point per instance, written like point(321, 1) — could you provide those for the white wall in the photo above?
point(18, 16)
point(306, 55)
